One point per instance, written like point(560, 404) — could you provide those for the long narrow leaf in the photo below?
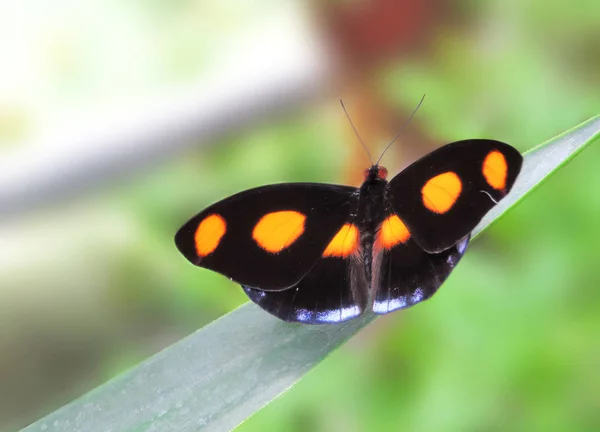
point(228, 370)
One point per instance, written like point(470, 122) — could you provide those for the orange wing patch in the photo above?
point(209, 234)
point(441, 192)
point(392, 232)
point(495, 169)
point(345, 242)
point(276, 231)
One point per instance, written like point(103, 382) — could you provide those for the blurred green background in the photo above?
point(90, 280)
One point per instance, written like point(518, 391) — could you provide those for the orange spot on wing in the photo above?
point(495, 169)
point(441, 192)
point(209, 233)
point(345, 242)
point(392, 232)
point(276, 231)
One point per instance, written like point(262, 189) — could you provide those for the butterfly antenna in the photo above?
point(355, 131)
point(401, 129)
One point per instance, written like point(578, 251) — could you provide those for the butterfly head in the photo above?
point(376, 172)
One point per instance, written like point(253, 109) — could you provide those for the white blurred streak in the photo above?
point(277, 66)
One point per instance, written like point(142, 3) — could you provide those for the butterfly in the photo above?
point(321, 253)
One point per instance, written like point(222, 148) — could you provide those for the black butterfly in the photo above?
point(319, 253)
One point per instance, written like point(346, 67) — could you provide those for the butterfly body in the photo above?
point(371, 212)
point(317, 253)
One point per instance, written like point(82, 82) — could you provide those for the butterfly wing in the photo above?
point(405, 275)
point(443, 196)
point(334, 290)
point(268, 237)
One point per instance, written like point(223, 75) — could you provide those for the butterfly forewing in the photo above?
point(443, 196)
point(268, 237)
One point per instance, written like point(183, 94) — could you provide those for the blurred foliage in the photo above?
point(509, 343)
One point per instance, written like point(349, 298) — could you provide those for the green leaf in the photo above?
point(228, 370)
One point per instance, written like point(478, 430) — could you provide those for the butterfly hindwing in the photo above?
point(334, 290)
point(268, 237)
point(443, 196)
point(405, 275)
